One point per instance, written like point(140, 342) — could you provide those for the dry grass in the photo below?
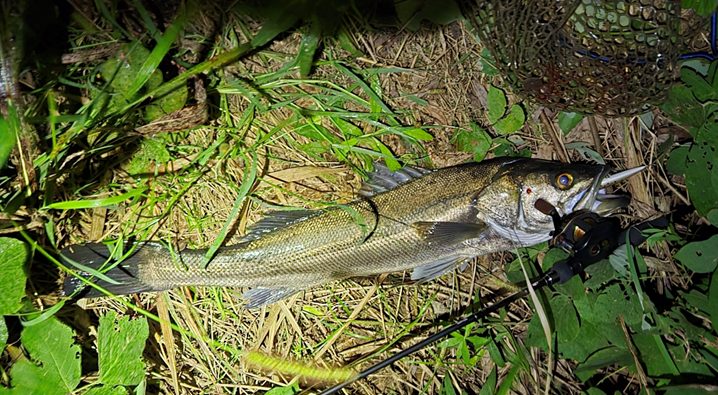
point(352, 322)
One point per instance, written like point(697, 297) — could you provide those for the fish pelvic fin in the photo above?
point(93, 262)
point(262, 296)
point(432, 270)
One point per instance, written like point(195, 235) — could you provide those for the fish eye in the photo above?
point(564, 181)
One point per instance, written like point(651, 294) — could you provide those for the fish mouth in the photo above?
point(597, 200)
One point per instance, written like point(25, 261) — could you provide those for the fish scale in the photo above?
point(419, 220)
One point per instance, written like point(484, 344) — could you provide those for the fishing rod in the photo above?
point(586, 236)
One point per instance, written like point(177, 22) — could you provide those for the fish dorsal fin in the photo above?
point(382, 179)
point(447, 233)
point(435, 269)
point(275, 220)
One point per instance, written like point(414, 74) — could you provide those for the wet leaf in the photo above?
point(13, 254)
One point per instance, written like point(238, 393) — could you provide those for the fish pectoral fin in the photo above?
point(435, 269)
point(444, 233)
point(262, 296)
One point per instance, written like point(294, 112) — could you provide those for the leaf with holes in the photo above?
point(702, 171)
point(13, 254)
point(700, 256)
point(54, 367)
point(120, 342)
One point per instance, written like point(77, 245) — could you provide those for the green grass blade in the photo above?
point(206, 66)
point(9, 130)
point(93, 203)
point(158, 53)
point(146, 19)
point(308, 48)
point(281, 20)
point(248, 181)
point(109, 16)
point(666, 355)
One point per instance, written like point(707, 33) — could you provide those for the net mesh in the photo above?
point(598, 57)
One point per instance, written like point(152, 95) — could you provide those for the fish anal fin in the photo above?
point(262, 296)
point(447, 233)
point(275, 220)
point(382, 179)
point(432, 270)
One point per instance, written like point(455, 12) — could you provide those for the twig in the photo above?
point(555, 137)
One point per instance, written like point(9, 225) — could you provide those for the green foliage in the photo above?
point(107, 390)
point(13, 254)
point(703, 7)
point(504, 122)
point(468, 345)
point(412, 12)
point(3, 333)
point(694, 104)
point(132, 75)
point(54, 363)
point(487, 63)
point(290, 389)
point(700, 256)
point(588, 329)
point(475, 141)
point(152, 152)
point(586, 152)
point(9, 130)
point(569, 120)
point(120, 345)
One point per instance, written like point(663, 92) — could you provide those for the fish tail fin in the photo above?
point(89, 260)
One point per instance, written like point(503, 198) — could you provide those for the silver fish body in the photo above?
point(414, 219)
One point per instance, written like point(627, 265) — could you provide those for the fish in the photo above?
point(425, 221)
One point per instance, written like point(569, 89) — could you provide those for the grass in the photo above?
point(277, 136)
